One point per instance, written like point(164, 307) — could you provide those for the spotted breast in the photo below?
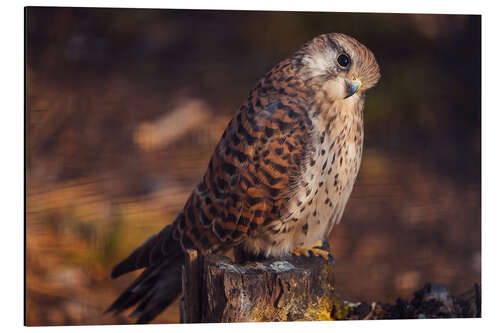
point(319, 195)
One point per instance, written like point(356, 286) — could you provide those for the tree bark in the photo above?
point(219, 290)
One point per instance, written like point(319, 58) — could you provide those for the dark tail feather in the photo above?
point(154, 290)
point(159, 284)
point(154, 249)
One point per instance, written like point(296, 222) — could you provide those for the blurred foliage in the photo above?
point(95, 76)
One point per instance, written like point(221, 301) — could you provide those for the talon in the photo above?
point(314, 251)
point(300, 252)
point(321, 253)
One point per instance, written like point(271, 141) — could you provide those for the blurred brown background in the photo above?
point(125, 106)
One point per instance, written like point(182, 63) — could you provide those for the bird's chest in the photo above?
point(321, 192)
point(327, 180)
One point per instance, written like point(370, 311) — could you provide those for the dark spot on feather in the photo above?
point(241, 156)
point(292, 114)
point(236, 140)
point(229, 168)
point(222, 184)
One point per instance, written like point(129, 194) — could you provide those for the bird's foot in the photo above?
point(318, 249)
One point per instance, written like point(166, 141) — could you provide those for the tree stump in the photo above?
point(217, 289)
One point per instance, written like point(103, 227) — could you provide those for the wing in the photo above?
point(249, 180)
point(253, 170)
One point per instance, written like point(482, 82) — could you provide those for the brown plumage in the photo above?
point(280, 176)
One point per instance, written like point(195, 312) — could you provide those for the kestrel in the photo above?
point(279, 178)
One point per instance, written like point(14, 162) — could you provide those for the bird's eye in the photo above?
point(343, 60)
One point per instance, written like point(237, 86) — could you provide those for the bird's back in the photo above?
point(255, 168)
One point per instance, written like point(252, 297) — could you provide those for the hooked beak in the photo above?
point(351, 86)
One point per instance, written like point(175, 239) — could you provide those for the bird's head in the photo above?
point(338, 65)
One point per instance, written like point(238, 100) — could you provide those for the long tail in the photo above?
point(159, 284)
